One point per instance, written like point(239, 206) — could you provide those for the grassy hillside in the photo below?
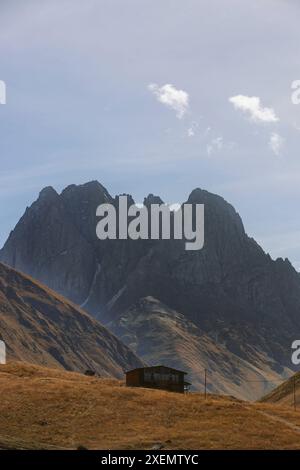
point(284, 394)
point(43, 328)
point(50, 408)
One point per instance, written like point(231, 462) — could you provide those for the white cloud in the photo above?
point(296, 126)
point(193, 129)
point(178, 100)
point(174, 207)
point(252, 106)
point(214, 145)
point(276, 143)
point(2, 92)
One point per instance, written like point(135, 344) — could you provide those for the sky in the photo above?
point(155, 97)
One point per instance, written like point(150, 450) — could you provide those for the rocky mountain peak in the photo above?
point(152, 199)
point(90, 189)
point(48, 193)
point(219, 214)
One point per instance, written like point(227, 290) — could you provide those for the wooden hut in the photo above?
point(161, 377)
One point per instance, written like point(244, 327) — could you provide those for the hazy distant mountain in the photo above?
point(40, 327)
point(230, 289)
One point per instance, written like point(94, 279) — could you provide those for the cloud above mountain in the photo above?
point(252, 106)
point(172, 97)
point(276, 143)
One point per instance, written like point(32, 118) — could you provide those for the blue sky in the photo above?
point(80, 105)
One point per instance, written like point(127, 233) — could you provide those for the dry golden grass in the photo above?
point(48, 408)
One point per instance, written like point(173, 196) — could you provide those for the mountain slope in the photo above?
point(160, 335)
point(286, 393)
point(41, 327)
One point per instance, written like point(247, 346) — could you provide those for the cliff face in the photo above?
point(230, 288)
point(49, 243)
point(40, 327)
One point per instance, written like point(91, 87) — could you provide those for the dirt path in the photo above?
point(284, 421)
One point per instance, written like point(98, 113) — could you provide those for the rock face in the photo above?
point(55, 236)
point(230, 289)
point(40, 327)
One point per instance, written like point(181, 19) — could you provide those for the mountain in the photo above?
point(285, 394)
point(39, 326)
point(231, 289)
point(160, 335)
